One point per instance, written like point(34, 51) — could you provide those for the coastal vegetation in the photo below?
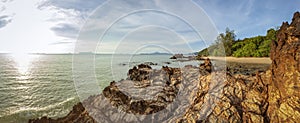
point(227, 45)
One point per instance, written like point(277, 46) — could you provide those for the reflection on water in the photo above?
point(23, 62)
point(32, 86)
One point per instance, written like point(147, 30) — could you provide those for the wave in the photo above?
point(38, 109)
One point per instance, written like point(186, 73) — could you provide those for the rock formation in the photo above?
point(206, 65)
point(176, 56)
point(147, 95)
point(284, 89)
point(238, 99)
point(200, 94)
point(140, 74)
point(78, 115)
point(273, 96)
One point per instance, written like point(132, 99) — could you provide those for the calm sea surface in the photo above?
point(32, 86)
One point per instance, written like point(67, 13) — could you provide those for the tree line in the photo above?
point(227, 45)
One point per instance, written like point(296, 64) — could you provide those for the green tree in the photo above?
point(271, 34)
point(226, 39)
point(203, 52)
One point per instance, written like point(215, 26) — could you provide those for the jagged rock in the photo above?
point(150, 63)
point(177, 56)
point(140, 74)
point(173, 57)
point(270, 97)
point(136, 104)
point(124, 102)
point(167, 62)
point(238, 99)
point(284, 91)
point(77, 115)
point(206, 65)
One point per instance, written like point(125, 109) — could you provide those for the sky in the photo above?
point(131, 26)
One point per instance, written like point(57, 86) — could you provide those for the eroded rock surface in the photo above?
point(284, 94)
point(273, 96)
point(236, 99)
point(206, 65)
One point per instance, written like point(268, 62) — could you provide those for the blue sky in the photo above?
point(54, 26)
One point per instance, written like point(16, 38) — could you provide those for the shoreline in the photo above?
point(251, 60)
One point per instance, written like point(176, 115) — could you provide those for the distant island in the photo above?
point(155, 53)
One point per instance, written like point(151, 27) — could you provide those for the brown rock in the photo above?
point(77, 115)
point(206, 65)
point(141, 74)
point(284, 91)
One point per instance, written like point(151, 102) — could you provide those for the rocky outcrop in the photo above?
point(135, 98)
point(273, 96)
point(161, 100)
point(78, 115)
point(284, 94)
point(206, 65)
point(140, 74)
point(147, 95)
point(236, 99)
point(176, 56)
point(173, 57)
point(201, 94)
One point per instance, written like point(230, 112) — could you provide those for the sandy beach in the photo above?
point(244, 65)
point(250, 60)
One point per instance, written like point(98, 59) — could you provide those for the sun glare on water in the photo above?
point(23, 62)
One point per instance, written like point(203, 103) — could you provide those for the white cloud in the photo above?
point(123, 17)
point(4, 20)
point(28, 31)
point(54, 24)
point(58, 22)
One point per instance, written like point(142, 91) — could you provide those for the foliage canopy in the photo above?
point(258, 46)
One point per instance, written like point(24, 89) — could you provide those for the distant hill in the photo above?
point(155, 53)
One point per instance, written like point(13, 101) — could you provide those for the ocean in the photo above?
point(33, 85)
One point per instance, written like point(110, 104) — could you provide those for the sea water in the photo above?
point(34, 85)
